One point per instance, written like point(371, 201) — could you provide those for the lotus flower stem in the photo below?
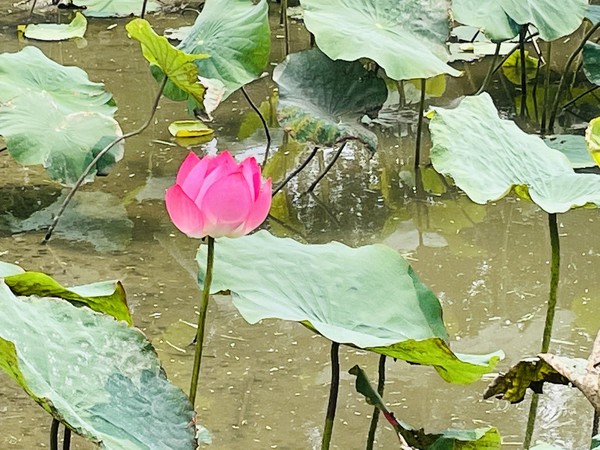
point(522, 36)
point(333, 395)
point(420, 124)
point(100, 154)
point(328, 167)
point(67, 439)
point(296, 171)
point(202, 319)
point(563, 78)
point(552, 299)
point(264, 124)
point(546, 87)
point(380, 388)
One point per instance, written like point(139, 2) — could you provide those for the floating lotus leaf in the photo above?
point(593, 14)
point(98, 376)
point(236, 35)
point(116, 8)
point(38, 131)
point(488, 156)
point(501, 19)
point(30, 70)
point(322, 101)
point(367, 296)
point(407, 39)
point(57, 32)
point(591, 62)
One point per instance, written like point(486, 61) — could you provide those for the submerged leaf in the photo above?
point(511, 68)
point(367, 296)
point(488, 156)
point(57, 32)
point(406, 38)
point(236, 35)
point(322, 101)
point(98, 376)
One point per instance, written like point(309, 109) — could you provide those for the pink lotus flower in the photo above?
point(215, 196)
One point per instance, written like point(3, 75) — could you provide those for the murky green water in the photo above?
point(266, 386)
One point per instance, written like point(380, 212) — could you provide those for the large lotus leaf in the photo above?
point(593, 14)
point(70, 87)
point(488, 156)
point(116, 8)
point(367, 296)
point(573, 147)
point(407, 39)
point(236, 35)
point(57, 31)
point(99, 376)
point(106, 297)
point(321, 100)
point(500, 19)
point(591, 62)
point(38, 131)
point(8, 269)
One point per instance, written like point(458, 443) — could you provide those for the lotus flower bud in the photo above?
point(215, 196)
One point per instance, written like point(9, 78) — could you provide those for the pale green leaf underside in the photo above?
point(116, 8)
point(30, 70)
point(95, 374)
point(368, 297)
point(236, 35)
point(38, 131)
point(57, 32)
point(488, 156)
point(573, 147)
point(501, 19)
point(322, 101)
point(406, 38)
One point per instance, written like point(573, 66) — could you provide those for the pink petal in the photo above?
point(225, 205)
point(251, 172)
point(188, 164)
point(223, 159)
point(260, 208)
point(217, 174)
point(194, 180)
point(184, 213)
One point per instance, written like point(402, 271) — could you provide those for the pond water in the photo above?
point(266, 386)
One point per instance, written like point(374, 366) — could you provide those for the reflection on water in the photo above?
point(265, 386)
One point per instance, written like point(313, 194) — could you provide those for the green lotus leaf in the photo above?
point(236, 35)
point(38, 131)
point(501, 19)
point(368, 297)
point(116, 8)
point(573, 147)
point(57, 32)
point(406, 38)
point(177, 65)
point(30, 70)
point(7, 269)
point(593, 14)
point(106, 297)
point(488, 156)
point(592, 139)
point(98, 376)
point(479, 439)
point(322, 101)
point(511, 68)
point(591, 62)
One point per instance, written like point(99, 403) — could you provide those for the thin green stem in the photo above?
point(491, 70)
point(575, 99)
point(522, 36)
point(54, 434)
point(595, 425)
point(264, 124)
point(333, 395)
point(563, 78)
point(296, 171)
point(546, 87)
point(67, 439)
point(420, 124)
point(328, 167)
point(202, 319)
point(380, 388)
point(551, 310)
point(286, 25)
point(144, 6)
point(94, 161)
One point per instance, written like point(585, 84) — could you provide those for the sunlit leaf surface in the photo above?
point(57, 32)
point(368, 297)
